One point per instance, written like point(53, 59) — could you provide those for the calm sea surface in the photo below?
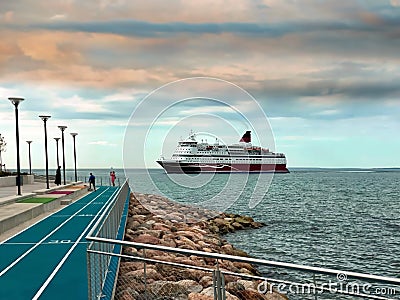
point(334, 219)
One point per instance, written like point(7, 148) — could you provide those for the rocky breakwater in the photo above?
point(157, 220)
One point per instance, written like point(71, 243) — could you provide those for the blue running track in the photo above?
point(48, 259)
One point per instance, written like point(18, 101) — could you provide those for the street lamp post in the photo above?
point(76, 174)
point(29, 151)
point(44, 119)
point(62, 128)
point(16, 101)
point(58, 160)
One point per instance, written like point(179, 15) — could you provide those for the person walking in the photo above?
point(57, 181)
point(92, 182)
point(112, 176)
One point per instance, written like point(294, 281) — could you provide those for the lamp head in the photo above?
point(16, 100)
point(57, 139)
point(62, 128)
point(74, 134)
point(44, 118)
point(29, 142)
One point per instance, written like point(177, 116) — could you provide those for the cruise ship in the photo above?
point(193, 157)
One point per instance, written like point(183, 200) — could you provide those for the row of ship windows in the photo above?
point(211, 150)
point(227, 158)
point(210, 159)
point(207, 151)
point(201, 152)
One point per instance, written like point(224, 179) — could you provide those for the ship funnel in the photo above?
point(246, 137)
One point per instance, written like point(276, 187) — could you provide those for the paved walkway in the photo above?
point(11, 192)
point(48, 259)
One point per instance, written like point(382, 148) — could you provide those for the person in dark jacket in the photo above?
point(92, 182)
point(58, 176)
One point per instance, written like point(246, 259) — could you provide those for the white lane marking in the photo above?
point(60, 264)
point(66, 216)
point(46, 237)
point(47, 243)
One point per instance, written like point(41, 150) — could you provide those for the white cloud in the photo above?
point(8, 16)
point(58, 17)
point(392, 103)
point(325, 100)
point(395, 3)
point(292, 138)
point(328, 112)
point(129, 95)
point(102, 143)
point(80, 104)
point(207, 110)
point(5, 93)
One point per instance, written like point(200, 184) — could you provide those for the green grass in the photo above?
point(36, 200)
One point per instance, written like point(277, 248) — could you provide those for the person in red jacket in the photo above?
point(112, 177)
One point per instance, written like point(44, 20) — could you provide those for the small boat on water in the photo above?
point(191, 156)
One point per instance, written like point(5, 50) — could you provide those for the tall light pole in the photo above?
point(74, 134)
point(44, 119)
point(62, 128)
point(16, 101)
point(58, 160)
point(29, 151)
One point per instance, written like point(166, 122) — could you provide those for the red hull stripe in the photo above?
point(199, 168)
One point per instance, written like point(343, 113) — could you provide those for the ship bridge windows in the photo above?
point(188, 144)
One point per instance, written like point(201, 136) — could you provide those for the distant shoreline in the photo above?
point(378, 169)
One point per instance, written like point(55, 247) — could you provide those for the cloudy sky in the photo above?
point(326, 74)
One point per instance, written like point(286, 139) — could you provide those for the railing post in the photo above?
point(215, 285)
point(144, 271)
point(223, 287)
point(218, 284)
point(89, 274)
point(315, 287)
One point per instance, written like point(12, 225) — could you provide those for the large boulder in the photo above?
point(210, 292)
point(167, 289)
point(190, 286)
point(206, 281)
point(150, 274)
point(234, 288)
point(197, 296)
point(244, 220)
point(146, 239)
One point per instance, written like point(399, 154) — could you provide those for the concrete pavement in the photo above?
point(10, 193)
point(15, 215)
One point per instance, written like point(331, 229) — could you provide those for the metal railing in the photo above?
point(315, 287)
point(100, 180)
point(111, 224)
